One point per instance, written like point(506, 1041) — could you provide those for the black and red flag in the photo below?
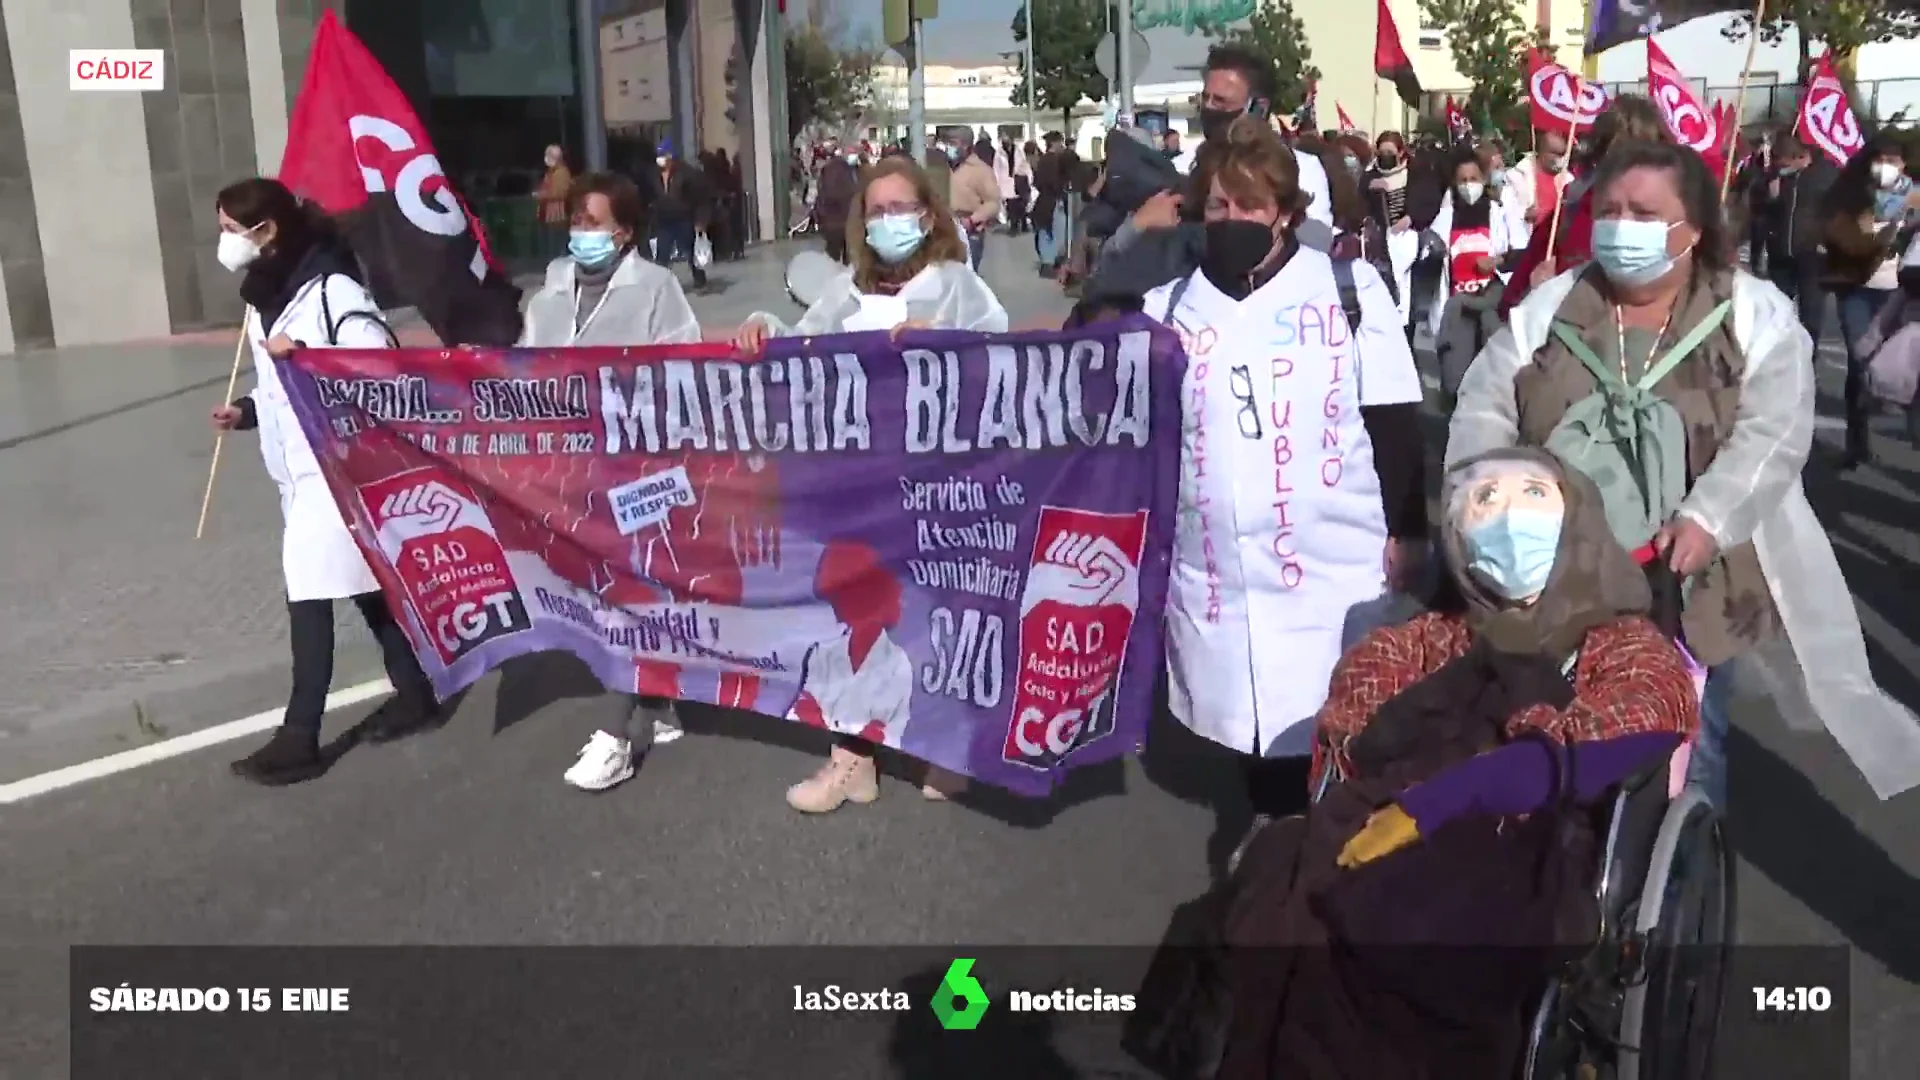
point(1390, 59)
point(355, 147)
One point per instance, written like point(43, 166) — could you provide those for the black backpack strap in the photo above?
point(1349, 292)
point(333, 328)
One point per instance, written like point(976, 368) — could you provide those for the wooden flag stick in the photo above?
point(213, 470)
point(1740, 100)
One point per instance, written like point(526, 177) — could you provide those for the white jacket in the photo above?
point(1752, 491)
point(317, 554)
point(1517, 196)
point(643, 305)
point(945, 296)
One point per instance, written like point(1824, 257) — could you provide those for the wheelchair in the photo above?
point(1644, 1003)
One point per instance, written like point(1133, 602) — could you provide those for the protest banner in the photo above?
point(954, 545)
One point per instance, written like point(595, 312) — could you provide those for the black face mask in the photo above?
point(1388, 159)
point(1235, 248)
point(1215, 122)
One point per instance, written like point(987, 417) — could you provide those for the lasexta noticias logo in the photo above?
point(960, 1001)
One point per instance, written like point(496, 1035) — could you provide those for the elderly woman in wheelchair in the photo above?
point(1464, 760)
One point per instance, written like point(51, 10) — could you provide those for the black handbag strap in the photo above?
point(333, 328)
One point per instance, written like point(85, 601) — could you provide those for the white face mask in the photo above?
point(237, 251)
point(1470, 193)
point(1886, 173)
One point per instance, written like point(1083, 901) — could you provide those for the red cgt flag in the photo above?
point(1826, 116)
point(355, 147)
point(1689, 122)
point(1457, 124)
point(1346, 122)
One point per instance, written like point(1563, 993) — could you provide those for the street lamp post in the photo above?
point(1031, 132)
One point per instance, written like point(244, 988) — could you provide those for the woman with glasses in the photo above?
point(909, 271)
point(1303, 496)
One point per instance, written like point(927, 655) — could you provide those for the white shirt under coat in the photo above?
point(1277, 541)
point(318, 556)
point(944, 295)
point(642, 305)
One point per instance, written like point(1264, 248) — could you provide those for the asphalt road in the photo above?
point(467, 836)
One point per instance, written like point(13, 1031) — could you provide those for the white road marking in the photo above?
point(98, 768)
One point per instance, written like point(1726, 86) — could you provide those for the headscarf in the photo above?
point(1593, 582)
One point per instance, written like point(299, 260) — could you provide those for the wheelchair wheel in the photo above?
point(1671, 1016)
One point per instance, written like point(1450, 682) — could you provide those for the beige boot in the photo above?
point(844, 778)
point(940, 784)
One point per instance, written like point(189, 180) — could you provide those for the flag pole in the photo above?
point(1740, 100)
point(213, 470)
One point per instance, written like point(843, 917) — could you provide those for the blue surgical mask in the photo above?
point(953, 153)
point(591, 248)
point(1515, 551)
point(1499, 178)
point(895, 237)
point(1632, 252)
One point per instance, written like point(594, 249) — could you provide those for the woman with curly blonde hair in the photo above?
point(909, 270)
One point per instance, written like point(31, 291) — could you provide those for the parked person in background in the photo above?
point(550, 200)
point(839, 184)
point(1003, 171)
point(909, 272)
point(1868, 211)
point(976, 198)
point(605, 292)
point(939, 168)
point(1170, 145)
point(1753, 180)
point(302, 289)
point(1796, 228)
point(1051, 230)
point(680, 208)
point(1533, 185)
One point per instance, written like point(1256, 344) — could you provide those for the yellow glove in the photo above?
point(1387, 831)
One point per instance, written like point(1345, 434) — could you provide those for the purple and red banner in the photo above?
point(954, 545)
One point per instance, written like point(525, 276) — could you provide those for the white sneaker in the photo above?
point(666, 725)
point(603, 762)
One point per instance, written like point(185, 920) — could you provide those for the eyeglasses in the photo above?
point(1240, 384)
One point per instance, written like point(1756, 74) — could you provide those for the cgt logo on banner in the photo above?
point(116, 69)
point(442, 545)
point(1076, 615)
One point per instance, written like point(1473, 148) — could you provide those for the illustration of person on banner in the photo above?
point(303, 290)
point(910, 272)
point(1723, 376)
point(605, 291)
point(1303, 482)
point(1464, 313)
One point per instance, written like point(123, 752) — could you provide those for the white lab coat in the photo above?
point(318, 555)
point(643, 305)
point(1752, 491)
point(1517, 197)
point(945, 296)
point(1499, 230)
point(1281, 533)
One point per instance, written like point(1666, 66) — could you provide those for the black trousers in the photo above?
point(310, 624)
point(836, 238)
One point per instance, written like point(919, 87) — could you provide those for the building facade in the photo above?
point(106, 199)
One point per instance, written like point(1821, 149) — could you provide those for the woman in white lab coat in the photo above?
point(605, 291)
point(302, 288)
point(1765, 589)
point(1303, 490)
point(909, 270)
